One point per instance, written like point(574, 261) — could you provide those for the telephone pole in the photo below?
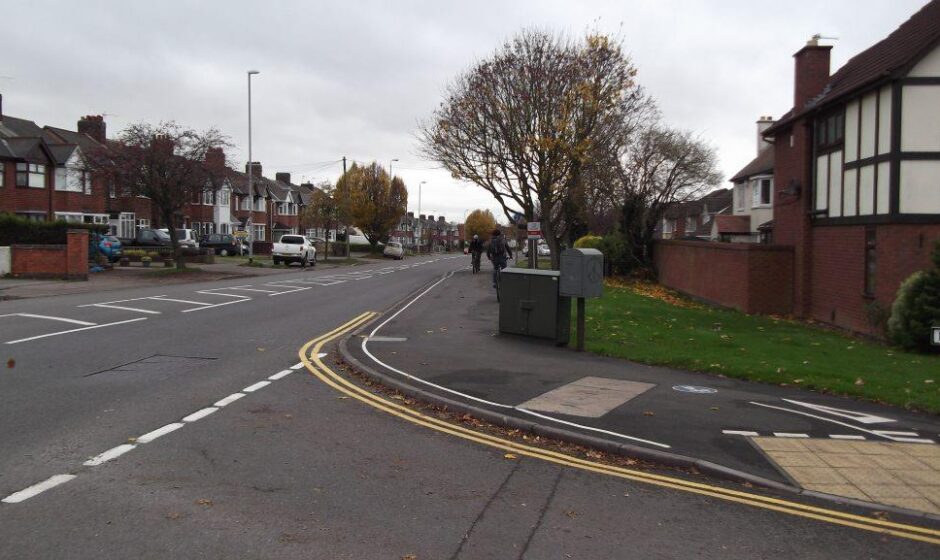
point(347, 225)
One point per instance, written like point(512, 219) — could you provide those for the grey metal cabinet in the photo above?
point(530, 304)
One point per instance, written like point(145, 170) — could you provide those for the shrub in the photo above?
point(17, 229)
point(589, 242)
point(917, 308)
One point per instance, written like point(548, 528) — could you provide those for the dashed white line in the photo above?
point(281, 374)
point(150, 436)
point(297, 366)
point(790, 435)
point(112, 453)
point(739, 433)
point(75, 330)
point(229, 399)
point(256, 386)
point(200, 414)
point(847, 436)
point(39, 488)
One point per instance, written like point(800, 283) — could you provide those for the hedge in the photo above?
point(17, 229)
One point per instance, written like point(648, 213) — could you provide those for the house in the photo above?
point(694, 219)
point(425, 233)
point(754, 191)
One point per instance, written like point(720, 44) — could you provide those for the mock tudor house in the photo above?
point(857, 173)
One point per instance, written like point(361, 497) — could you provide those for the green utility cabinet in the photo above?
point(530, 305)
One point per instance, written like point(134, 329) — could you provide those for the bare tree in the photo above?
point(168, 164)
point(662, 166)
point(526, 124)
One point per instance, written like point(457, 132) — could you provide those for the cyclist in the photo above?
point(498, 252)
point(475, 250)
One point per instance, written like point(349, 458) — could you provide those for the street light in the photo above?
point(390, 168)
point(251, 198)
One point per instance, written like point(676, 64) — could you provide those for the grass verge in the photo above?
point(647, 323)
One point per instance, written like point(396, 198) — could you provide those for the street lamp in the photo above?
point(251, 198)
point(390, 168)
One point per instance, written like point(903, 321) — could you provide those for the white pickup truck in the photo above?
point(294, 248)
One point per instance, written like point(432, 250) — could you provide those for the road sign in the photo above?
point(935, 339)
point(694, 389)
point(534, 230)
point(241, 234)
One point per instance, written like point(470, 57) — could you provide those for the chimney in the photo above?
point(255, 168)
point(215, 158)
point(94, 126)
point(811, 72)
point(763, 124)
point(1, 107)
point(422, 217)
point(440, 219)
point(308, 186)
point(411, 215)
point(282, 177)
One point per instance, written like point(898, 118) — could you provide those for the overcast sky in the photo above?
point(355, 78)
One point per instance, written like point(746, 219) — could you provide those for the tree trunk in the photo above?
point(174, 241)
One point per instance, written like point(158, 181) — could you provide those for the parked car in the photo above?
point(185, 238)
point(107, 245)
point(147, 237)
point(294, 248)
point(225, 244)
point(395, 250)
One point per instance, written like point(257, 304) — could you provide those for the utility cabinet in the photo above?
point(582, 273)
point(530, 304)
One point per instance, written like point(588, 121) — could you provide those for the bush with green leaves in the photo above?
point(589, 242)
point(916, 308)
point(17, 229)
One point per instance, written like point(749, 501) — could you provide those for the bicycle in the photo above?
point(475, 262)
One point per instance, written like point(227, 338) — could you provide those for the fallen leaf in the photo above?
point(715, 408)
point(928, 380)
point(131, 440)
point(204, 502)
point(409, 557)
point(173, 515)
point(571, 513)
point(342, 398)
point(510, 456)
point(649, 413)
point(859, 381)
point(11, 363)
point(260, 349)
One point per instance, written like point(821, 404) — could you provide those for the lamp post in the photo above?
point(390, 168)
point(251, 198)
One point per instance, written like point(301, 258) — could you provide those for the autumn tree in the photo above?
point(479, 222)
point(167, 163)
point(526, 124)
point(323, 212)
point(372, 200)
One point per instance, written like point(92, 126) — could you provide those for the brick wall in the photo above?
point(838, 270)
point(68, 261)
point(748, 277)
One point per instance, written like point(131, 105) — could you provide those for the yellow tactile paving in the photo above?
point(899, 474)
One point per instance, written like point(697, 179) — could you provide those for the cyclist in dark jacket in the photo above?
point(498, 252)
point(475, 250)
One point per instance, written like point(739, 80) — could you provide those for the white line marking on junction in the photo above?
point(215, 304)
point(365, 349)
point(891, 433)
point(850, 426)
point(199, 414)
point(790, 435)
point(51, 318)
point(297, 366)
point(229, 399)
point(39, 488)
point(159, 298)
point(112, 453)
point(281, 374)
point(150, 436)
point(739, 433)
point(75, 330)
point(254, 290)
point(124, 308)
point(847, 436)
point(256, 386)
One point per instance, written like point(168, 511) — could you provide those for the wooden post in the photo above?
point(580, 324)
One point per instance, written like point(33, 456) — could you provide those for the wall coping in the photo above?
point(39, 247)
point(722, 246)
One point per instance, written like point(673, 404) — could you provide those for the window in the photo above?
point(761, 190)
point(871, 262)
point(143, 223)
point(196, 227)
point(740, 194)
point(830, 131)
point(258, 232)
point(31, 175)
point(95, 218)
point(71, 217)
point(690, 225)
point(259, 204)
point(225, 197)
point(2, 175)
point(208, 198)
point(72, 180)
point(126, 223)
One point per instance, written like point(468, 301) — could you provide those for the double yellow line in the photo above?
point(309, 355)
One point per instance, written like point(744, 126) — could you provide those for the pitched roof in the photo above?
point(733, 224)
point(884, 60)
point(12, 127)
point(763, 163)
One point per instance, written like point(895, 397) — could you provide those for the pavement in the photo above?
point(175, 421)
point(443, 346)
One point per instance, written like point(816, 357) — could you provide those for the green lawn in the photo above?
point(648, 324)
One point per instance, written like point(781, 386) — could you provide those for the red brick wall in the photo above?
point(53, 261)
point(76, 262)
point(748, 277)
point(838, 269)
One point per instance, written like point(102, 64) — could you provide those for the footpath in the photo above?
point(442, 346)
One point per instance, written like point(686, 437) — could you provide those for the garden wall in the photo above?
point(752, 278)
point(69, 261)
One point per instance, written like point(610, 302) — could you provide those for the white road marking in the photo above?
point(159, 298)
point(296, 289)
point(229, 399)
point(150, 436)
point(365, 349)
point(124, 308)
point(199, 414)
point(739, 433)
point(912, 440)
point(39, 488)
point(387, 339)
point(281, 374)
point(860, 417)
point(297, 366)
point(256, 386)
point(850, 426)
point(890, 433)
point(110, 454)
point(76, 330)
point(790, 435)
point(119, 301)
point(215, 304)
point(254, 290)
point(847, 436)
point(51, 318)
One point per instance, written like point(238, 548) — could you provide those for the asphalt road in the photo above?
point(293, 469)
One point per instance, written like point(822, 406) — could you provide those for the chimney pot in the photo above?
point(282, 177)
point(763, 124)
point(93, 126)
point(255, 168)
